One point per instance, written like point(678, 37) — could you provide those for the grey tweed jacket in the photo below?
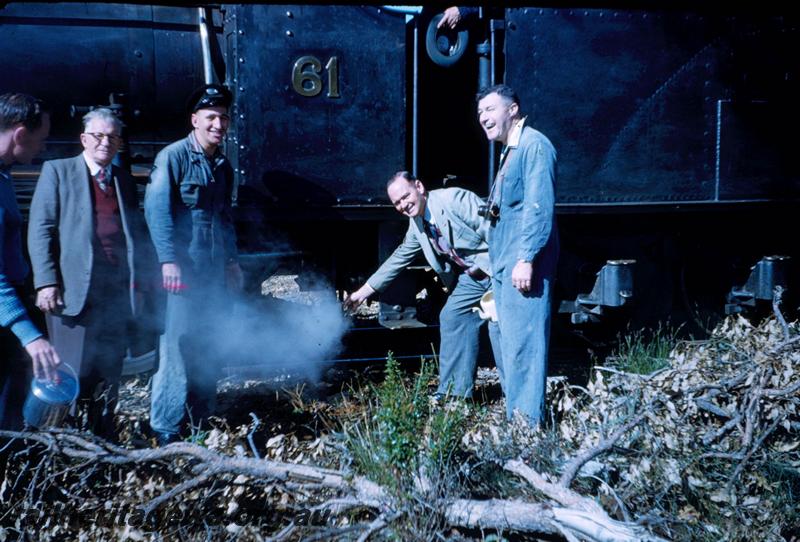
point(455, 212)
point(61, 230)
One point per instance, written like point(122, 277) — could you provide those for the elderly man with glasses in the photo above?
point(86, 239)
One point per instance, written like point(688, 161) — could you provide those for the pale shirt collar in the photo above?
point(513, 138)
point(516, 133)
point(94, 168)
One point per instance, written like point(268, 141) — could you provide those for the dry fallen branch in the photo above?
point(580, 516)
point(377, 524)
point(712, 454)
point(502, 515)
point(722, 436)
point(749, 454)
point(210, 464)
point(572, 468)
point(777, 294)
point(207, 464)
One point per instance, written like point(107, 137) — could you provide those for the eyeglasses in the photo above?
point(98, 136)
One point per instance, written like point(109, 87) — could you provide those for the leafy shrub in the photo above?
point(401, 434)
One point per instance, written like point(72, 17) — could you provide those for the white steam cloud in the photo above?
point(289, 331)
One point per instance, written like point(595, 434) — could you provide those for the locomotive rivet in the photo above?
point(289, 33)
point(289, 14)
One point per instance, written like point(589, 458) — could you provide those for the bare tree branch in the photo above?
point(177, 490)
point(377, 524)
point(572, 468)
point(750, 453)
point(777, 294)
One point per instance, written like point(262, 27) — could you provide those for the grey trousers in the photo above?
point(459, 332)
point(94, 342)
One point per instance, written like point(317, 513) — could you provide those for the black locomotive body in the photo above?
point(674, 130)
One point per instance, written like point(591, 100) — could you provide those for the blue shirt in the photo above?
point(13, 267)
point(187, 206)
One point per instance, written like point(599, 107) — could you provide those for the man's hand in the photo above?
point(45, 359)
point(48, 299)
point(171, 278)
point(234, 279)
point(451, 17)
point(352, 301)
point(521, 276)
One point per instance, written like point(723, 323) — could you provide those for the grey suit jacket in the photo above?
point(455, 212)
point(61, 229)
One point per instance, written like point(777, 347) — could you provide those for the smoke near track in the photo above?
point(286, 329)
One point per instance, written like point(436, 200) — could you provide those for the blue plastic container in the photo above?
point(48, 403)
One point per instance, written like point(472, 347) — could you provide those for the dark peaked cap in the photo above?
point(209, 96)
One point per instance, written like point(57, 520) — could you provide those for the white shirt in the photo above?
point(94, 168)
point(513, 138)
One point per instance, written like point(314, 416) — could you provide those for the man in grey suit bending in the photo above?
point(86, 238)
point(446, 227)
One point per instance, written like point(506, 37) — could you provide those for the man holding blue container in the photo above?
point(24, 126)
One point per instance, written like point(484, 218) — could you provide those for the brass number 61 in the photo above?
point(306, 80)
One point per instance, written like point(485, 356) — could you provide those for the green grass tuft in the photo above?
point(645, 351)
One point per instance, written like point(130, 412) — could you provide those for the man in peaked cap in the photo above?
point(188, 210)
point(209, 96)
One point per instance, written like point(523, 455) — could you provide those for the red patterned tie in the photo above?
point(441, 245)
point(101, 180)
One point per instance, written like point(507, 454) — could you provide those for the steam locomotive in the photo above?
point(677, 187)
